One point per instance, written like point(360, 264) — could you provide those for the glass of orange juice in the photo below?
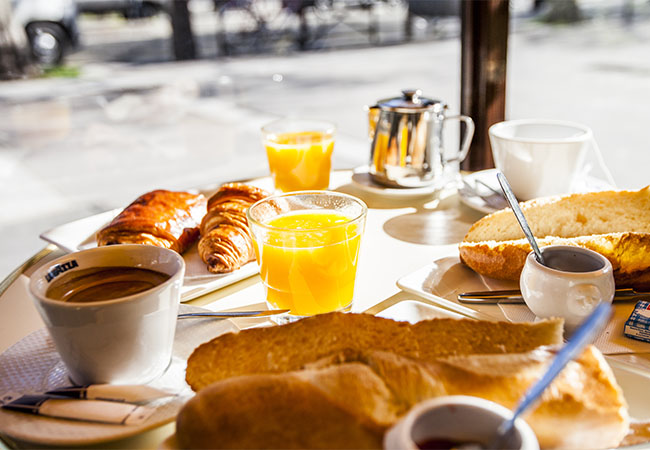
point(307, 245)
point(299, 153)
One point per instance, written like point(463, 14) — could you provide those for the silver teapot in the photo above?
point(407, 142)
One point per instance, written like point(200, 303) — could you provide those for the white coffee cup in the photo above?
point(126, 340)
point(570, 285)
point(539, 157)
point(460, 419)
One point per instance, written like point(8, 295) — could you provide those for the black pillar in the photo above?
point(183, 37)
point(484, 40)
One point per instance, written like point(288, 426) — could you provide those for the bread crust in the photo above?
point(348, 399)
point(296, 345)
point(272, 411)
point(613, 223)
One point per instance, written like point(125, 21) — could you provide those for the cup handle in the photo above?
point(467, 139)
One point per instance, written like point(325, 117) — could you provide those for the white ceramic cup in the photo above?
point(539, 157)
point(578, 280)
point(460, 419)
point(126, 340)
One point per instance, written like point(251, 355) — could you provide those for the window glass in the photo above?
point(114, 106)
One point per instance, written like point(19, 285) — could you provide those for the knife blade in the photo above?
point(231, 314)
point(513, 296)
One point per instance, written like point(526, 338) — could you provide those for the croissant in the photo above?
point(226, 244)
point(161, 218)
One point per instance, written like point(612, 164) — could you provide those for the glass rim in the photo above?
point(326, 126)
point(359, 217)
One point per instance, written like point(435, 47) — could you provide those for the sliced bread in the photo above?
point(613, 223)
point(351, 399)
point(296, 345)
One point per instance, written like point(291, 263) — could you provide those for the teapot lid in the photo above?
point(411, 101)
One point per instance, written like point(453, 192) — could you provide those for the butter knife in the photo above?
point(232, 314)
point(513, 296)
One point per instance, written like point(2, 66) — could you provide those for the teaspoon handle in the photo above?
point(514, 205)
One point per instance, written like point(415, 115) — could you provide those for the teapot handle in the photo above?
point(467, 139)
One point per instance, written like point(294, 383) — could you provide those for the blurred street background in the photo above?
point(119, 115)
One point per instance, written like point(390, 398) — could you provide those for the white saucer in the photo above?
point(361, 179)
point(33, 366)
point(483, 199)
point(487, 201)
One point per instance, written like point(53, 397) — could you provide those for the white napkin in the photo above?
point(198, 286)
point(195, 268)
point(199, 280)
point(610, 341)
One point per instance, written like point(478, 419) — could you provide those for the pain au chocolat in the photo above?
point(162, 218)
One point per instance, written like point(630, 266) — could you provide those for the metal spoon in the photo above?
point(583, 336)
point(231, 314)
point(519, 214)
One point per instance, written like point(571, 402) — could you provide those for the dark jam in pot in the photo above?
point(444, 444)
point(571, 261)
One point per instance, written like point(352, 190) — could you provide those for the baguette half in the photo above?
point(613, 223)
point(296, 345)
point(349, 399)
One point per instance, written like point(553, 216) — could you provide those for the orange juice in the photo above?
point(308, 261)
point(300, 160)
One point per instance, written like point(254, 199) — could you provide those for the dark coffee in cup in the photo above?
point(103, 283)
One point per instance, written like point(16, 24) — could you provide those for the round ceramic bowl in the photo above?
point(571, 283)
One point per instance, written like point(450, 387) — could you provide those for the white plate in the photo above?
point(633, 381)
point(361, 179)
point(80, 235)
point(486, 199)
point(413, 311)
point(33, 366)
point(481, 197)
point(441, 281)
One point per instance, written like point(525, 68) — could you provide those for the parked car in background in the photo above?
point(131, 9)
point(51, 27)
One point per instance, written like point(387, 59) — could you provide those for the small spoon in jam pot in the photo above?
point(519, 214)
